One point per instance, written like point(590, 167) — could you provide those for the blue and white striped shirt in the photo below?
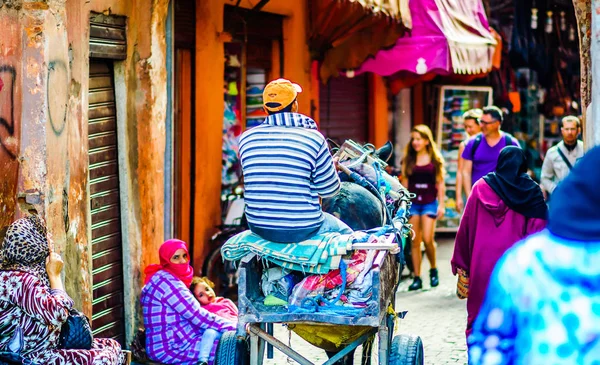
point(286, 166)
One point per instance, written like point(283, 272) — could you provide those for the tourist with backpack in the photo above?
point(560, 159)
point(482, 150)
point(472, 127)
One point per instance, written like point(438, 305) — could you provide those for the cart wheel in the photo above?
point(407, 350)
point(231, 350)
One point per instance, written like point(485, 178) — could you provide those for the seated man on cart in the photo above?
point(287, 166)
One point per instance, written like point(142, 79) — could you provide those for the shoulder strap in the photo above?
point(507, 139)
point(565, 159)
point(476, 144)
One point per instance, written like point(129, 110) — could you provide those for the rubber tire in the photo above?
point(231, 350)
point(407, 350)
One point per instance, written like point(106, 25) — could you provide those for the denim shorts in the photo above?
point(429, 209)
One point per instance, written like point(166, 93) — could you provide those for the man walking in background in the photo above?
point(560, 159)
point(481, 151)
point(471, 122)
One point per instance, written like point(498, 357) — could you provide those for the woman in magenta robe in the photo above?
point(504, 207)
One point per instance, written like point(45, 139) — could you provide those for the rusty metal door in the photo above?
point(344, 109)
point(107, 252)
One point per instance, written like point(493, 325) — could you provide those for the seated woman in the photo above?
point(175, 321)
point(33, 303)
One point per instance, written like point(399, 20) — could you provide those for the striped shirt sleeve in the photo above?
point(325, 178)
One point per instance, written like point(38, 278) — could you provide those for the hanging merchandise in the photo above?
point(549, 22)
point(255, 81)
point(514, 96)
point(534, 18)
point(230, 150)
point(571, 33)
point(540, 53)
point(520, 46)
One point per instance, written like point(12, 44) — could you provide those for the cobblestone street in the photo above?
point(436, 315)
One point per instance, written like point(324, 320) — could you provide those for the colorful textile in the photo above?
point(485, 157)
point(230, 149)
point(446, 37)
point(28, 305)
point(223, 307)
point(287, 166)
point(175, 321)
point(542, 305)
point(26, 248)
point(328, 286)
point(487, 229)
point(183, 272)
point(317, 255)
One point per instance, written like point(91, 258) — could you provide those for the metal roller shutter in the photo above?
point(107, 253)
point(108, 36)
point(344, 109)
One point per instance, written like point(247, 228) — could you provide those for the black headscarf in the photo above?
point(575, 206)
point(512, 184)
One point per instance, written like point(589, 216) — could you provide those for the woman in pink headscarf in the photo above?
point(176, 324)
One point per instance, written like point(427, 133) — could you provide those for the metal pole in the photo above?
point(254, 330)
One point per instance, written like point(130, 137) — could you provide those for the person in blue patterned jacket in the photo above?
point(543, 302)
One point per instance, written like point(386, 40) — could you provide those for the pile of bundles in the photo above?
point(328, 273)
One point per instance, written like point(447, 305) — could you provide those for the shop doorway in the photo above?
point(184, 142)
point(105, 208)
point(344, 109)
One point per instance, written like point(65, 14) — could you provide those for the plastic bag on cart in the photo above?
point(326, 285)
point(278, 282)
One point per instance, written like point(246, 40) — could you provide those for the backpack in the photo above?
point(508, 138)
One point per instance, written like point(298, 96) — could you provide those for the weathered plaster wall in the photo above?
point(44, 68)
point(144, 87)
point(10, 112)
point(209, 117)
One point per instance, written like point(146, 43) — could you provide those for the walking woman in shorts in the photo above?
point(423, 174)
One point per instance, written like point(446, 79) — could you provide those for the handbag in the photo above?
point(462, 284)
point(76, 332)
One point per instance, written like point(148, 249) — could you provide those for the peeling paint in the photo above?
point(38, 5)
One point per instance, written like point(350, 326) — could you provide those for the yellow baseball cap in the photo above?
point(279, 94)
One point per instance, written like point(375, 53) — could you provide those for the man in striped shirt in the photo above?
point(287, 167)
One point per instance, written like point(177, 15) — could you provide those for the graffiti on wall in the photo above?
point(8, 142)
point(57, 95)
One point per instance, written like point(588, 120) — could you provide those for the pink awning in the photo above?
point(448, 36)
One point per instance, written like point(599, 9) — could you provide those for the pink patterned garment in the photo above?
point(27, 303)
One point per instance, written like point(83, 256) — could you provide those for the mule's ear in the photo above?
point(385, 152)
point(332, 144)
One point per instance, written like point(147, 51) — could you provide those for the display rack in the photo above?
point(255, 84)
point(453, 102)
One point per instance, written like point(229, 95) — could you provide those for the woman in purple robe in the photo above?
point(504, 207)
